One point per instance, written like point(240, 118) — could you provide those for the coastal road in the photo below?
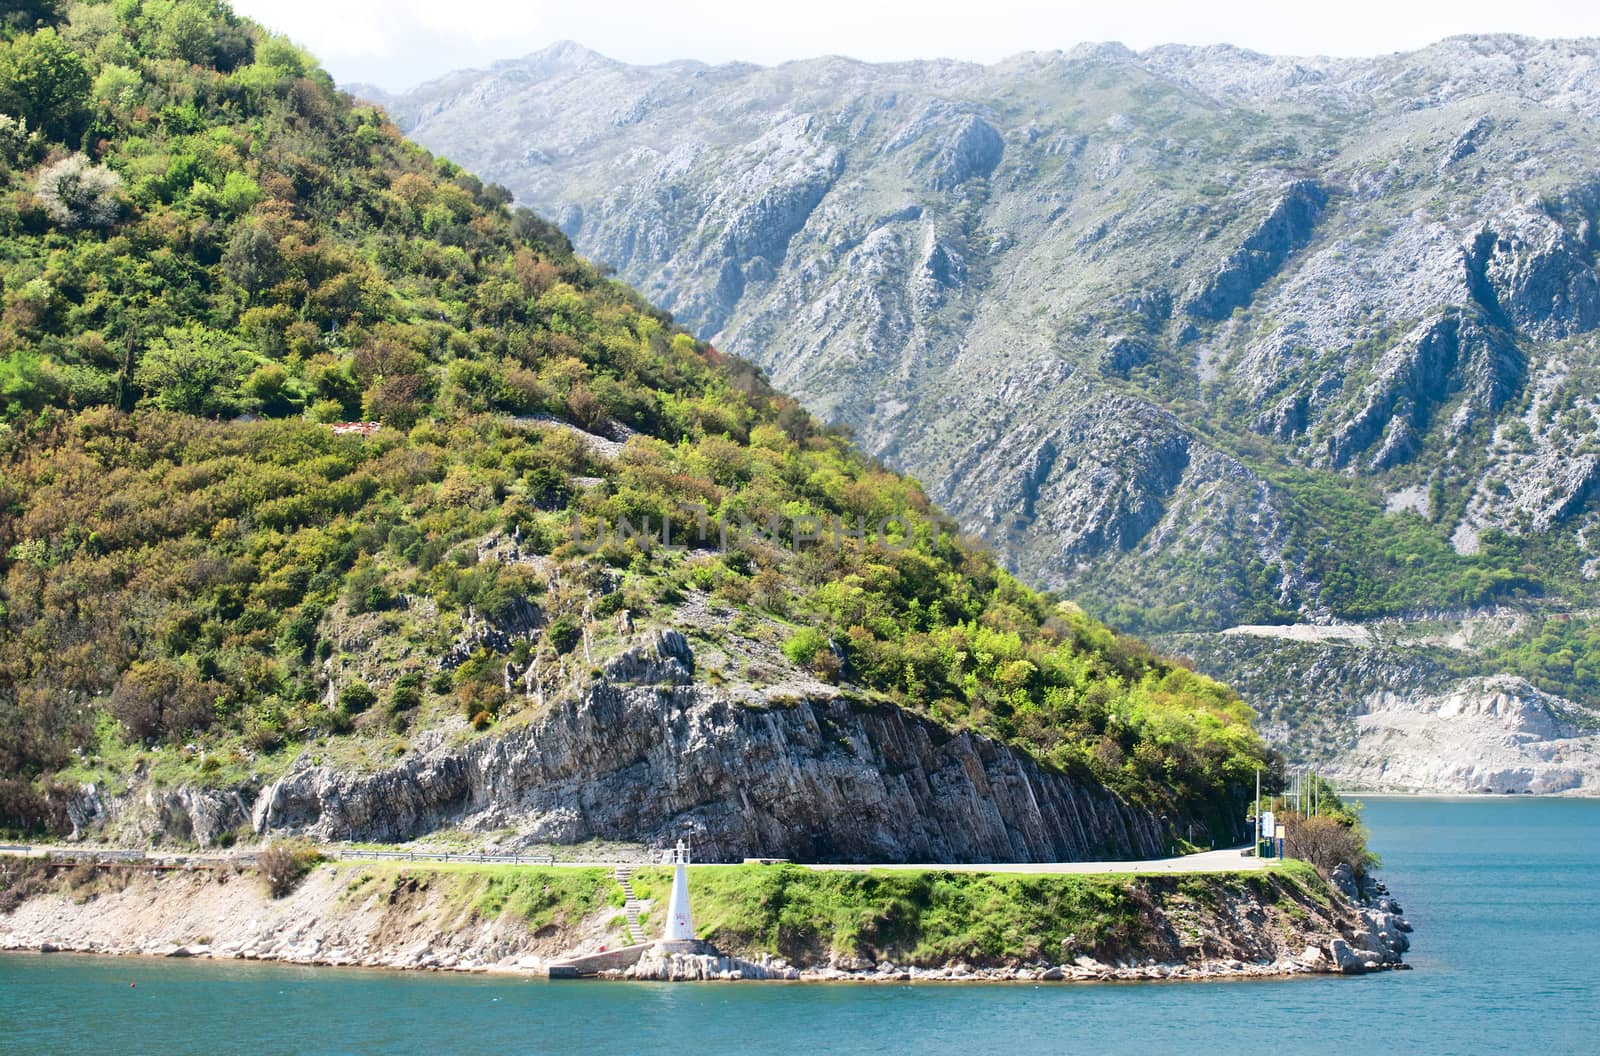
point(1229, 861)
point(1226, 861)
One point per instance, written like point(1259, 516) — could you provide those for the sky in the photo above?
point(397, 44)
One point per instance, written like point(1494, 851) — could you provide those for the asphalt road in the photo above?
point(1232, 860)
point(1205, 862)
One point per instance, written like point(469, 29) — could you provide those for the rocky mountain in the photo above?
point(339, 497)
point(1198, 336)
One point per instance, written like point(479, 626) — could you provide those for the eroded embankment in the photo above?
point(828, 924)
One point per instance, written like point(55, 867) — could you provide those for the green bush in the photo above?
point(803, 646)
point(356, 697)
point(406, 694)
point(564, 634)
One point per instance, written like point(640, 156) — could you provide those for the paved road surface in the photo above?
point(1204, 862)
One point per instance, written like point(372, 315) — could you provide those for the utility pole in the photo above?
point(1256, 846)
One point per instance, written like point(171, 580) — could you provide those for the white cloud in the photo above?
point(399, 43)
point(397, 33)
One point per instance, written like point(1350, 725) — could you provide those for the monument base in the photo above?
point(693, 947)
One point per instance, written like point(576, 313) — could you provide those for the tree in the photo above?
point(28, 14)
point(44, 80)
point(531, 227)
point(162, 698)
point(75, 192)
point(26, 383)
point(118, 86)
point(194, 370)
point(252, 259)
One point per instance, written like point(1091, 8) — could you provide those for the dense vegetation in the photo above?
point(209, 256)
point(1367, 562)
point(1559, 653)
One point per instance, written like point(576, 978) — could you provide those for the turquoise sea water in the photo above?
point(1504, 894)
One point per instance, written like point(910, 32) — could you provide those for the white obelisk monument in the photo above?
point(680, 922)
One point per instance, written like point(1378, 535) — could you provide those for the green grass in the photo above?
point(933, 917)
point(538, 896)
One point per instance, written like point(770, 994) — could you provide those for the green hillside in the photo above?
point(209, 257)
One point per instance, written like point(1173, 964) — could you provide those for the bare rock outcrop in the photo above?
point(1418, 725)
point(638, 755)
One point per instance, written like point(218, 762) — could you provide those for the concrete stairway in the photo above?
point(631, 905)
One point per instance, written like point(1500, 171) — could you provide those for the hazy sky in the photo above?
point(399, 43)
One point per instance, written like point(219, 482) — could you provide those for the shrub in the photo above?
point(356, 698)
point(27, 382)
point(366, 591)
point(75, 192)
point(480, 702)
point(804, 645)
point(16, 142)
point(26, 808)
point(20, 880)
point(1327, 843)
point(283, 863)
point(161, 698)
point(826, 666)
point(406, 694)
point(564, 634)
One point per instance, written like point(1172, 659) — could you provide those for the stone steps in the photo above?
point(631, 905)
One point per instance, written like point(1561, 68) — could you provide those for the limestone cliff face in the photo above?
point(814, 781)
point(644, 752)
point(1418, 725)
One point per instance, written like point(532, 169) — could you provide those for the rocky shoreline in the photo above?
point(689, 968)
point(340, 917)
point(697, 968)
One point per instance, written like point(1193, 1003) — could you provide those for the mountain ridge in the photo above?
point(1199, 336)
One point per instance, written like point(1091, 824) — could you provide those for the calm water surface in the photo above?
point(1504, 894)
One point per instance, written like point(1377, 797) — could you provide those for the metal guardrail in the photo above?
point(107, 854)
point(428, 856)
point(98, 854)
